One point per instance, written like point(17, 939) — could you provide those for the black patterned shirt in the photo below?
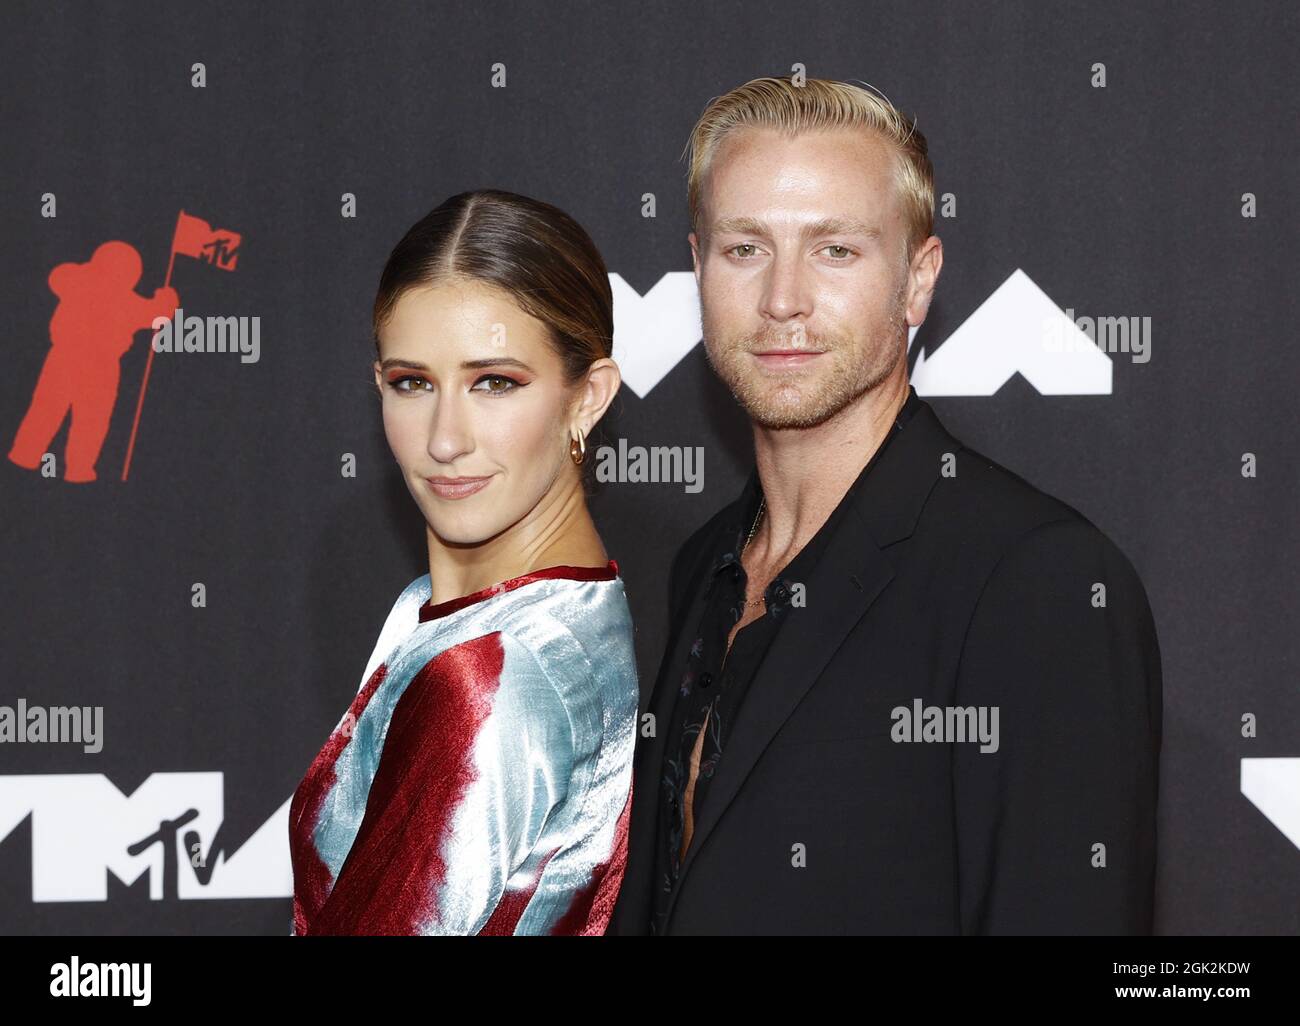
point(714, 681)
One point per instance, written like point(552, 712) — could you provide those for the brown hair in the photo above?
point(790, 108)
point(534, 251)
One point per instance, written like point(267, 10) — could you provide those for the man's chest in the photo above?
point(757, 579)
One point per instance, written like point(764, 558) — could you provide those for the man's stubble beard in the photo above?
point(837, 385)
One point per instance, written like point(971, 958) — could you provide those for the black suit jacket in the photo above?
point(965, 588)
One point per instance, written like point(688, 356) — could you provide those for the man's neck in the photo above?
point(805, 472)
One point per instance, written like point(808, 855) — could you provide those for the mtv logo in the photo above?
point(1017, 330)
point(83, 828)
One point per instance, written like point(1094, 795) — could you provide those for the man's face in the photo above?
point(803, 273)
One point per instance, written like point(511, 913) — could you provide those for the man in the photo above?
point(904, 690)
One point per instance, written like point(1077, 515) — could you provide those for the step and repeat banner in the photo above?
point(200, 544)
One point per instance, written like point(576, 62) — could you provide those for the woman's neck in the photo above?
point(558, 531)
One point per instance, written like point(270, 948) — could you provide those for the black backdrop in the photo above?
point(1122, 200)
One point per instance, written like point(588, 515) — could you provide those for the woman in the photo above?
point(481, 781)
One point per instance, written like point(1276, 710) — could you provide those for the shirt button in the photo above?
point(706, 679)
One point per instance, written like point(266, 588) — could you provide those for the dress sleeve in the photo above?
point(522, 758)
point(477, 756)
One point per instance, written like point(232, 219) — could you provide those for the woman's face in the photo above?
point(475, 408)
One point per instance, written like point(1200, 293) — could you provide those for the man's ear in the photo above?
point(924, 274)
point(694, 240)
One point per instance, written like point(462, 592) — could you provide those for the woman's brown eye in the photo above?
point(492, 380)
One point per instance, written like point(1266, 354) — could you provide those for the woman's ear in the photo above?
point(598, 391)
point(379, 380)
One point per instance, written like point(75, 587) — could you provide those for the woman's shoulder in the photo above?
point(580, 633)
point(405, 610)
point(576, 631)
point(402, 617)
point(591, 614)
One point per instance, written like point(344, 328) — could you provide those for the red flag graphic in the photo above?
point(196, 238)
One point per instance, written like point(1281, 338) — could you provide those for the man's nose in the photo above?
point(786, 290)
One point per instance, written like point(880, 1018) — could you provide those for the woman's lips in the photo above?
point(456, 487)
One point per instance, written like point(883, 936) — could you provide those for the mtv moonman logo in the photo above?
point(94, 325)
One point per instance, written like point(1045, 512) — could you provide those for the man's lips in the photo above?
point(776, 358)
point(456, 487)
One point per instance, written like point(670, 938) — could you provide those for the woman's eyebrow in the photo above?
point(499, 361)
point(394, 361)
point(492, 361)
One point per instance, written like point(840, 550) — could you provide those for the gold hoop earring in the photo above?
point(578, 448)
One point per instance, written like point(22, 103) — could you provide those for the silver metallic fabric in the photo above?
point(481, 780)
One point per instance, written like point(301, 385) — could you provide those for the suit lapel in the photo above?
point(851, 573)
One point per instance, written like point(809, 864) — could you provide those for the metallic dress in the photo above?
point(481, 781)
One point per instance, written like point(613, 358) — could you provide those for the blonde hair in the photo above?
point(818, 104)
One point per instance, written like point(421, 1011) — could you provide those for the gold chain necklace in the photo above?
point(762, 507)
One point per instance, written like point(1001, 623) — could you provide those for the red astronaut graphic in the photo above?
point(94, 324)
point(98, 315)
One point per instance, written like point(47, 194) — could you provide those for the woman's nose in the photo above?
point(449, 432)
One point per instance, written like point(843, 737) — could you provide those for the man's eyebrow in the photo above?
point(840, 226)
point(824, 226)
point(491, 361)
point(739, 226)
